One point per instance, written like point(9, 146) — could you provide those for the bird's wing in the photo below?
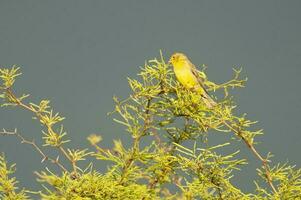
point(196, 74)
point(207, 99)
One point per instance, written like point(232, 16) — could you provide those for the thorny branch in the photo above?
point(145, 127)
point(16, 100)
point(255, 152)
point(36, 147)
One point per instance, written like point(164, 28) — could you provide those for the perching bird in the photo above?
point(188, 76)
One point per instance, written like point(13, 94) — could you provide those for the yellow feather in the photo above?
point(184, 71)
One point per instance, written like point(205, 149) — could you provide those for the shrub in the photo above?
point(169, 157)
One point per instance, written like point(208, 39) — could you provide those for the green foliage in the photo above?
point(169, 156)
point(8, 184)
point(91, 185)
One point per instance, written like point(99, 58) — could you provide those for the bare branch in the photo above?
point(35, 146)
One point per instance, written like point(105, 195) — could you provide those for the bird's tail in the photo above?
point(209, 102)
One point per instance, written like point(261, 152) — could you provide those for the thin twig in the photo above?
point(255, 152)
point(27, 107)
point(36, 147)
point(73, 162)
point(145, 127)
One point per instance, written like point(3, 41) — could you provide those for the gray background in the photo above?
point(79, 53)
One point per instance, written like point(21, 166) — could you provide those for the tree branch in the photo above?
point(35, 146)
point(255, 152)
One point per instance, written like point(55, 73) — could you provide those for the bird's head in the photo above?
point(177, 59)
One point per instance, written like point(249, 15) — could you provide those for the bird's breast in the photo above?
point(186, 77)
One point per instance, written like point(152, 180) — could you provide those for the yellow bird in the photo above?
point(188, 76)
